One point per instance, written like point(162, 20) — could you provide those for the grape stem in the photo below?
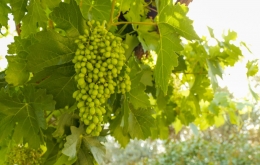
point(111, 14)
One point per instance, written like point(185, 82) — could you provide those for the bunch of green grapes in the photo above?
point(100, 71)
point(23, 155)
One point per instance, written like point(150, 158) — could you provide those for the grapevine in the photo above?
point(68, 83)
point(100, 71)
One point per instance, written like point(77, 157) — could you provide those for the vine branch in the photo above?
point(111, 14)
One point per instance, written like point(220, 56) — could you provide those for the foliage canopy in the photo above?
point(173, 76)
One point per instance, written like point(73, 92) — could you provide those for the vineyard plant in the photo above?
point(80, 70)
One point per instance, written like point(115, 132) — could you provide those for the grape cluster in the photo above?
point(24, 155)
point(100, 71)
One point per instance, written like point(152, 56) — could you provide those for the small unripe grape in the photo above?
point(81, 81)
point(80, 104)
point(86, 122)
point(81, 46)
point(92, 126)
point(92, 111)
point(95, 120)
point(88, 130)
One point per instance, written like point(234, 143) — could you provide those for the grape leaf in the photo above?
point(20, 45)
point(133, 10)
point(84, 157)
point(24, 112)
point(132, 42)
point(214, 70)
point(252, 68)
point(167, 58)
point(253, 93)
point(65, 120)
point(73, 142)
point(178, 20)
point(50, 49)
point(147, 35)
point(80, 145)
point(199, 87)
point(137, 95)
point(233, 53)
point(230, 36)
point(140, 122)
point(68, 18)
point(97, 149)
point(58, 81)
point(182, 66)
point(64, 160)
point(16, 72)
point(118, 132)
point(147, 78)
point(211, 32)
point(2, 79)
point(170, 27)
point(18, 9)
point(52, 3)
point(4, 8)
point(35, 18)
point(98, 10)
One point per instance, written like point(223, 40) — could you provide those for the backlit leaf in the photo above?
point(68, 18)
point(35, 18)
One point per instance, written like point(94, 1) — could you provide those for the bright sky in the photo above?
point(238, 15)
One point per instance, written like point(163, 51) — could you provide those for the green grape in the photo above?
point(24, 155)
point(92, 111)
point(95, 120)
point(81, 81)
point(98, 62)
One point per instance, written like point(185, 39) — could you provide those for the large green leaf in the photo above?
point(167, 58)
point(132, 42)
point(35, 18)
point(137, 95)
point(52, 3)
point(58, 81)
point(18, 9)
point(95, 147)
point(133, 10)
point(73, 142)
point(4, 13)
point(98, 10)
point(50, 49)
point(16, 72)
point(214, 70)
point(2, 79)
point(177, 20)
point(24, 113)
point(171, 27)
point(140, 123)
point(118, 132)
point(68, 18)
point(79, 145)
point(148, 35)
